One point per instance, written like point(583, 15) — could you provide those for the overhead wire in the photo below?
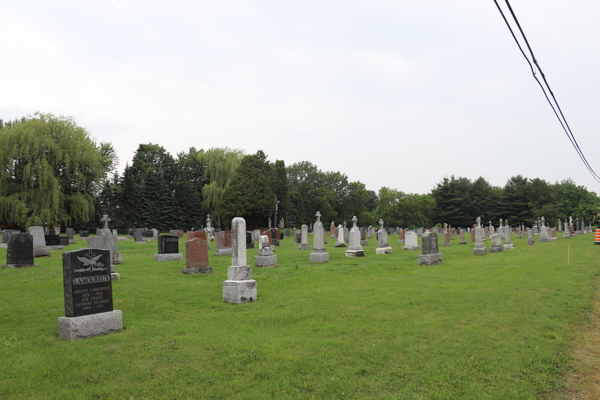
point(563, 121)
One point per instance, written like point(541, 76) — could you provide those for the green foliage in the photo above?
point(50, 169)
point(399, 209)
point(250, 193)
point(281, 191)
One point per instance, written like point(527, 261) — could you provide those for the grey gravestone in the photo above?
point(239, 286)
point(138, 237)
point(168, 248)
point(88, 295)
point(39, 244)
point(70, 236)
point(354, 248)
point(431, 254)
point(19, 252)
point(264, 255)
point(319, 254)
point(63, 241)
point(496, 244)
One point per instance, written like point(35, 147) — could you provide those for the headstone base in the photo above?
point(84, 239)
point(340, 245)
point(74, 328)
point(57, 247)
point(303, 247)
point(496, 249)
point(318, 257)
point(223, 252)
point(431, 259)
point(197, 270)
point(412, 247)
point(462, 242)
point(545, 240)
point(114, 276)
point(19, 265)
point(239, 291)
point(266, 261)
point(117, 258)
point(354, 253)
point(72, 241)
point(42, 252)
point(168, 257)
point(479, 251)
point(121, 238)
point(508, 246)
point(383, 250)
point(364, 242)
point(3, 245)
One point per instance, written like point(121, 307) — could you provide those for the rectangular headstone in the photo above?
point(84, 234)
point(52, 240)
point(63, 240)
point(168, 244)
point(138, 237)
point(430, 243)
point(70, 233)
point(20, 249)
point(87, 282)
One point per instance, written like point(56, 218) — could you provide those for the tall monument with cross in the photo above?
point(354, 248)
point(106, 220)
point(318, 254)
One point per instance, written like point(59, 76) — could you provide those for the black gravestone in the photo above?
point(430, 243)
point(148, 234)
point(84, 233)
point(20, 249)
point(138, 236)
point(52, 240)
point(298, 237)
point(280, 235)
point(168, 244)
point(63, 240)
point(87, 284)
point(249, 235)
point(8, 233)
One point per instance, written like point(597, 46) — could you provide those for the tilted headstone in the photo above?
point(88, 296)
point(19, 251)
point(431, 254)
point(319, 254)
point(196, 256)
point(168, 248)
point(39, 242)
point(239, 286)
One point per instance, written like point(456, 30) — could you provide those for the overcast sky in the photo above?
point(391, 93)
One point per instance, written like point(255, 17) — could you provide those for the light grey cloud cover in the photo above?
point(391, 93)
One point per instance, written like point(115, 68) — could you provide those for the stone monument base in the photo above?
point(56, 247)
point(303, 247)
point(383, 250)
point(546, 240)
point(19, 265)
point(72, 241)
point(364, 242)
point(84, 239)
point(266, 261)
point(3, 245)
point(354, 253)
point(431, 259)
point(318, 257)
point(412, 247)
point(121, 238)
point(239, 291)
point(462, 242)
point(168, 257)
point(223, 252)
point(114, 276)
point(74, 328)
point(42, 252)
point(495, 249)
point(197, 270)
point(508, 246)
point(479, 251)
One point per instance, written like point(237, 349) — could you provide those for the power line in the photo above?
point(563, 122)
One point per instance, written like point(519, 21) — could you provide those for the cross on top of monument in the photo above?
point(478, 221)
point(381, 223)
point(501, 222)
point(106, 220)
point(354, 219)
point(318, 215)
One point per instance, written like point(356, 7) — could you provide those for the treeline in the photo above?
point(52, 172)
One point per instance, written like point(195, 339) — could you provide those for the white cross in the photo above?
point(106, 220)
point(354, 219)
point(381, 223)
point(318, 215)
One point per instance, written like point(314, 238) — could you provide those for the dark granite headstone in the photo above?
point(430, 243)
point(148, 234)
point(8, 233)
point(249, 238)
point(87, 284)
point(70, 233)
point(138, 236)
point(20, 249)
point(63, 240)
point(168, 244)
point(52, 240)
point(84, 233)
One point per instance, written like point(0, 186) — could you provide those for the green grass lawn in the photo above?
point(378, 327)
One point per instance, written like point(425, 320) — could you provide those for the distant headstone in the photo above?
point(364, 241)
point(431, 254)
point(264, 254)
point(383, 246)
point(256, 235)
point(84, 234)
point(410, 241)
point(197, 235)
point(104, 240)
point(462, 237)
point(319, 254)
point(70, 236)
point(223, 243)
point(496, 244)
point(239, 286)
point(63, 241)
point(148, 234)
point(304, 244)
point(479, 249)
point(6, 235)
point(196, 256)
point(51, 240)
point(249, 240)
point(340, 237)
point(39, 242)
point(401, 236)
point(137, 235)
point(354, 248)
point(168, 248)
point(530, 239)
point(19, 251)
point(88, 296)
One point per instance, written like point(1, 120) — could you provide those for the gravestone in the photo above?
point(175, 232)
point(137, 235)
point(354, 248)
point(148, 234)
point(319, 254)
point(363, 237)
point(63, 241)
point(223, 243)
point(383, 246)
point(298, 240)
point(479, 249)
point(239, 286)
point(530, 239)
point(447, 238)
point(544, 234)
point(333, 230)
point(508, 244)
point(346, 234)
point(410, 241)
point(369, 232)
point(105, 241)
point(19, 251)
point(168, 248)
point(566, 232)
point(275, 236)
point(197, 235)
point(70, 236)
point(462, 237)
point(39, 243)
point(256, 235)
point(401, 236)
point(431, 254)
point(84, 235)
point(196, 256)
point(340, 236)
point(249, 240)
point(496, 244)
point(155, 233)
point(264, 255)
point(88, 296)
point(51, 240)
point(304, 244)
point(6, 235)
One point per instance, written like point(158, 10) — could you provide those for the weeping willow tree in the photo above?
point(220, 166)
point(49, 169)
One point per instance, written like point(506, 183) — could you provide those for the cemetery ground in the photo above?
point(506, 325)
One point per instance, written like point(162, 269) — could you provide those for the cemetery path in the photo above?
point(582, 380)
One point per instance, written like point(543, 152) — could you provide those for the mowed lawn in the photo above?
point(378, 327)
